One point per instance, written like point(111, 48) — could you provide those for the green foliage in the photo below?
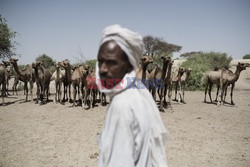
point(201, 63)
point(48, 61)
point(247, 56)
point(7, 45)
point(91, 63)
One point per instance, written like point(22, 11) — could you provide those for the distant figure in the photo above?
point(133, 133)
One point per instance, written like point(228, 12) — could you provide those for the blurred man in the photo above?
point(133, 134)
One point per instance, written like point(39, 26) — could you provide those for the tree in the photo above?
point(7, 43)
point(91, 63)
point(188, 54)
point(48, 61)
point(247, 56)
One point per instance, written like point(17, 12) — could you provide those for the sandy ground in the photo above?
point(54, 135)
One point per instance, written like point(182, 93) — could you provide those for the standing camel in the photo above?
point(168, 84)
point(67, 81)
point(183, 82)
point(228, 78)
point(43, 77)
point(159, 80)
point(176, 81)
point(25, 75)
point(58, 76)
point(3, 80)
point(213, 77)
point(8, 72)
point(141, 71)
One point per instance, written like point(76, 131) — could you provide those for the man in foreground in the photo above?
point(133, 134)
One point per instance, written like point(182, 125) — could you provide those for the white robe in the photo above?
point(133, 134)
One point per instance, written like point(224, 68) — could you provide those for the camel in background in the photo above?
point(58, 76)
point(183, 82)
point(42, 76)
point(8, 72)
point(141, 71)
point(228, 78)
point(67, 81)
point(176, 81)
point(26, 75)
point(3, 81)
point(168, 85)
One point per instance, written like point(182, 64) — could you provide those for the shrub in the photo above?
point(200, 64)
point(247, 56)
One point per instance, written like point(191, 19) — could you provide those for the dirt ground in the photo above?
point(54, 135)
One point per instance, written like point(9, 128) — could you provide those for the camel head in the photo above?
point(13, 61)
point(65, 64)
point(242, 66)
point(166, 59)
point(188, 70)
point(145, 60)
point(6, 63)
point(37, 64)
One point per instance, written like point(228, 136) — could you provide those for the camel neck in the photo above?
point(169, 71)
point(164, 70)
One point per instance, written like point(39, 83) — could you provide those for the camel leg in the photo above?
point(217, 93)
point(179, 92)
point(183, 93)
point(37, 92)
point(209, 92)
point(164, 95)
point(70, 99)
point(225, 94)
point(31, 90)
point(232, 88)
point(175, 92)
point(169, 94)
point(26, 90)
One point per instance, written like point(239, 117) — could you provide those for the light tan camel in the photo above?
point(176, 82)
point(67, 81)
point(3, 81)
point(213, 77)
point(58, 76)
point(141, 71)
point(43, 77)
point(77, 79)
point(26, 75)
point(183, 81)
point(168, 85)
point(8, 72)
point(228, 78)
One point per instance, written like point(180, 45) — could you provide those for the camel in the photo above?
point(176, 81)
point(141, 71)
point(42, 76)
point(213, 77)
point(228, 78)
point(91, 89)
point(158, 76)
point(77, 79)
point(67, 81)
point(183, 81)
point(8, 72)
point(168, 84)
point(58, 76)
point(3, 80)
point(26, 75)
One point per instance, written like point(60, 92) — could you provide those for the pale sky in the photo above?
point(62, 29)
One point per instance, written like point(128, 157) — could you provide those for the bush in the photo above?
point(200, 64)
point(246, 56)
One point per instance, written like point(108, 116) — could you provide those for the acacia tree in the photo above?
point(155, 47)
point(7, 43)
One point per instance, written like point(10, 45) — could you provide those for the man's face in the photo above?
point(113, 64)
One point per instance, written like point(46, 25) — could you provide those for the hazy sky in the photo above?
point(63, 29)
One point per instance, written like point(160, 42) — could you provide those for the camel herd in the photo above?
point(160, 80)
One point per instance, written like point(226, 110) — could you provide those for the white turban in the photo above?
point(130, 42)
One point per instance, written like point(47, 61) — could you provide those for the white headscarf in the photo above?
point(131, 43)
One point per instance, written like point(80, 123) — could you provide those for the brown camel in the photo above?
point(67, 81)
point(58, 76)
point(183, 81)
point(176, 81)
point(3, 81)
point(168, 85)
point(228, 78)
point(43, 77)
point(26, 75)
point(141, 71)
point(91, 89)
point(159, 76)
